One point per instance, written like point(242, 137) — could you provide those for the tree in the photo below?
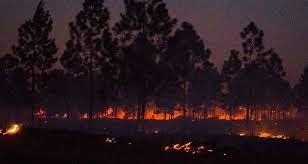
point(252, 42)
point(205, 87)
point(36, 49)
point(143, 30)
point(185, 51)
point(8, 64)
point(301, 90)
point(59, 88)
point(91, 47)
point(258, 78)
point(231, 70)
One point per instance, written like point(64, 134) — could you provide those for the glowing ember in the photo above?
point(210, 150)
point(187, 148)
point(41, 113)
point(269, 135)
point(65, 116)
point(12, 130)
point(111, 140)
point(84, 116)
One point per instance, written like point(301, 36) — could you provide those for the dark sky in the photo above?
point(219, 22)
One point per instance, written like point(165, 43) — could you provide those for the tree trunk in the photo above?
point(32, 96)
point(205, 110)
point(91, 93)
point(67, 106)
point(230, 113)
point(247, 114)
point(143, 108)
point(184, 101)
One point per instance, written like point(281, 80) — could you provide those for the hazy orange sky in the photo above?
point(218, 22)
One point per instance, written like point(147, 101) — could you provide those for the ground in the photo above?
point(62, 146)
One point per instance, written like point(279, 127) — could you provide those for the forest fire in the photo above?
point(160, 114)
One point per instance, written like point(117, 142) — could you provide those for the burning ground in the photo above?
point(59, 146)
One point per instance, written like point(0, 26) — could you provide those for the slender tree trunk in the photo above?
point(247, 114)
point(205, 110)
point(67, 106)
point(115, 111)
point(184, 101)
point(230, 112)
point(91, 93)
point(143, 108)
point(32, 96)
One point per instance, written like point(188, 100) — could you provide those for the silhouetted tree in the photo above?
point(252, 42)
point(91, 47)
point(231, 69)
point(36, 49)
point(301, 90)
point(143, 30)
point(205, 87)
point(185, 51)
point(8, 64)
point(59, 89)
point(256, 83)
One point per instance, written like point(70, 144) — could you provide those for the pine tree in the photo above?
point(185, 51)
point(231, 69)
point(301, 90)
point(91, 48)
point(143, 31)
point(36, 49)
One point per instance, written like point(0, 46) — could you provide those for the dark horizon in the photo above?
point(283, 23)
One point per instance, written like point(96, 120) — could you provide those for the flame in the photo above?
point(15, 128)
point(187, 148)
point(152, 112)
point(65, 116)
point(84, 116)
point(269, 135)
point(264, 134)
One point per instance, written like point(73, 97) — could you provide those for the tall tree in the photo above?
point(91, 47)
point(185, 52)
point(59, 89)
point(143, 30)
point(205, 87)
point(252, 42)
point(301, 90)
point(231, 70)
point(36, 49)
point(253, 47)
point(261, 74)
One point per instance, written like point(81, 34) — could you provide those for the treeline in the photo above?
point(146, 56)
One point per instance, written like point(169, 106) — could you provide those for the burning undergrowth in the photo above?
point(12, 130)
